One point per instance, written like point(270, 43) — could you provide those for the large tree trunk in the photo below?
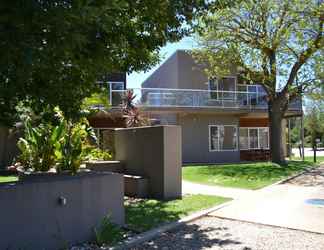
point(276, 116)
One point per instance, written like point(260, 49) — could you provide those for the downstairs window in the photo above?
point(254, 138)
point(222, 137)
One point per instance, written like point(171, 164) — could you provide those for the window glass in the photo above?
point(227, 86)
point(264, 138)
point(117, 85)
point(227, 137)
point(213, 138)
point(253, 134)
point(244, 138)
point(213, 86)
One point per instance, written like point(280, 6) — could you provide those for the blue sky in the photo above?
point(135, 79)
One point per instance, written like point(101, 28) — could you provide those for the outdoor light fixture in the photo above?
point(62, 201)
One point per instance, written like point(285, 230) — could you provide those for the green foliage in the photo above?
point(107, 233)
point(99, 154)
point(314, 125)
point(58, 144)
point(58, 55)
point(97, 99)
point(37, 148)
point(275, 43)
point(69, 149)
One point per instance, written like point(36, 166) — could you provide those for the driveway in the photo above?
point(284, 205)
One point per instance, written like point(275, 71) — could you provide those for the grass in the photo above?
point(145, 214)
point(310, 158)
point(8, 178)
point(247, 176)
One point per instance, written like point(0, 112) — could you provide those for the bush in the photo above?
point(99, 154)
point(108, 233)
point(59, 146)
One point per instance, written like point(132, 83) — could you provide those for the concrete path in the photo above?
point(194, 188)
point(283, 205)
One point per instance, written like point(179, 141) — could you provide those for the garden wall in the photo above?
point(33, 217)
point(154, 153)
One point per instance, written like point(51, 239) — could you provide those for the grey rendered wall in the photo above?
point(190, 73)
point(155, 153)
point(166, 76)
point(32, 218)
point(195, 139)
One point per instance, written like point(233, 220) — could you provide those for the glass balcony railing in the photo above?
point(196, 98)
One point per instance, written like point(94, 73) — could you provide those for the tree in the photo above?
point(274, 43)
point(52, 51)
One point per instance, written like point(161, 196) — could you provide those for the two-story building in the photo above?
point(222, 120)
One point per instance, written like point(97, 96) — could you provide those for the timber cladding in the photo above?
point(254, 122)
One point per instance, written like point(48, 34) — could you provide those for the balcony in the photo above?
point(247, 97)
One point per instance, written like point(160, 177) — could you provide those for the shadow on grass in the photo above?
point(191, 236)
point(142, 215)
point(256, 171)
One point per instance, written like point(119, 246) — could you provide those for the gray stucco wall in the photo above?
point(195, 138)
point(155, 153)
point(32, 218)
point(190, 73)
point(166, 76)
point(179, 71)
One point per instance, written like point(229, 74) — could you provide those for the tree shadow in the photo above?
point(254, 171)
point(311, 178)
point(192, 236)
point(143, 214)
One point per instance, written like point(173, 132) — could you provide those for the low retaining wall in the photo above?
point(59, 212)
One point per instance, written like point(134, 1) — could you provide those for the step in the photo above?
point(135, 186)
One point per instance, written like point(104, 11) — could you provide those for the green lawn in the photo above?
point(144, 214)
point(8, 178)
point(248, 176)
point(310, 158)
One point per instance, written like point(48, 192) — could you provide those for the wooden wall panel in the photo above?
point(254, 122)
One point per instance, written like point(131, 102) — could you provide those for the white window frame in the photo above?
point(218, 135)
point(258, 128)
point(217, 86)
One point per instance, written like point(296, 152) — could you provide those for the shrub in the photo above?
point(38, 146)
point(108, 233)
point(59, 146)
point(99, 154)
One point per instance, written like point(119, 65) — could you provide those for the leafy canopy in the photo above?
point(52, 51)
point(278, 44)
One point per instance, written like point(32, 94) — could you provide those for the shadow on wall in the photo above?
point(8, 146)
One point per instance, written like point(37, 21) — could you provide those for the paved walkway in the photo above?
point(283, 205)
point(235, 193)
